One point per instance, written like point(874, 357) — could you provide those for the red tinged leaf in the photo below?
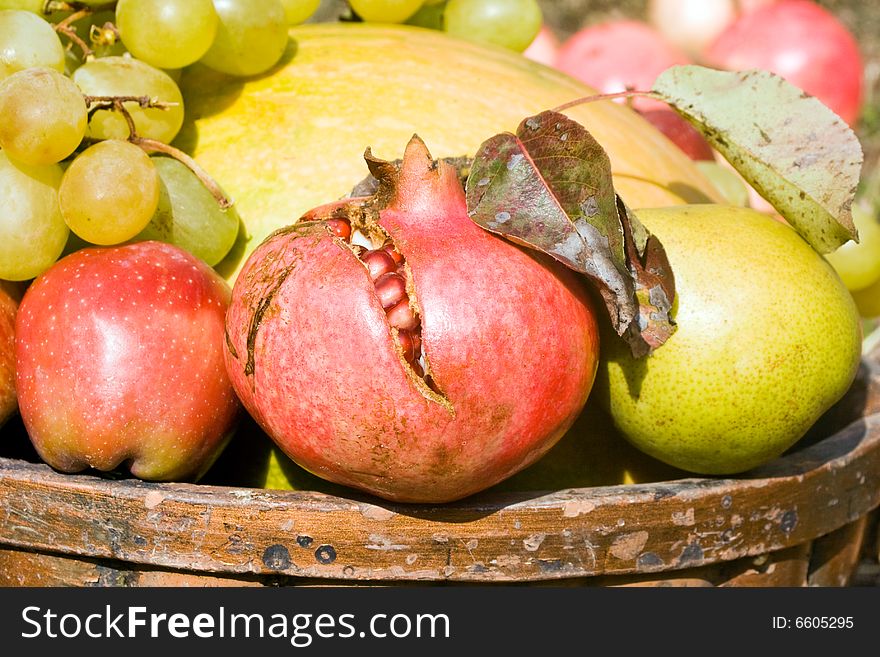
point(654, 283)
point(549, 187)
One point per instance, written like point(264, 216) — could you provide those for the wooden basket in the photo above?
point(807, 518)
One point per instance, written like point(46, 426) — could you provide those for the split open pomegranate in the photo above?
point(390, 344)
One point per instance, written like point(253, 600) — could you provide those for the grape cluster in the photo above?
point(90, 105)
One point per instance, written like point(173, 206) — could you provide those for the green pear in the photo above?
point(767, 339)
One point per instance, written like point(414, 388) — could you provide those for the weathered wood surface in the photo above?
point(630, 532)
point(610, 530)
point(788, 567)
point(834, 557)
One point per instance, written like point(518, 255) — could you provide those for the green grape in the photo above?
point(251, 37)
point(385, 11)
point(44, 116)
point(109, 192)
point(858, 263)
point(299, 11)
point(126, 76)
point(26, 41)
point(33, 6)
point(32, 232)
point(167, 33)
point(429, 16)
point(513, 24)
point(189, 216)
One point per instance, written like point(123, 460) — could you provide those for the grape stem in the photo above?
point(72, 18)
point(629, 93)
point(104, 35)
point(66, 28)
point(153, 146)
point(116, 103)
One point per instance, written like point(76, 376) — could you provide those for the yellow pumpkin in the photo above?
point(294, 138)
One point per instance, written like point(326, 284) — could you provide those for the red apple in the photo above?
point(544, 48)
point(119, 362)
point(619, 55)
point(10, 295)
point(803, 43)
point(680, 132)
point(693, 24)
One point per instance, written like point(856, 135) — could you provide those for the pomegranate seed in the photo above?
point(340, 228)
point(388, 247)
point(402, 317)
point(378, 262)
point(391, 289)
point(408, 344)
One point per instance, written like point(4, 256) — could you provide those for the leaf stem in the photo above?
point(629, 93)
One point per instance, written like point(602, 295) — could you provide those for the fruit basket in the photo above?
point(806, 518)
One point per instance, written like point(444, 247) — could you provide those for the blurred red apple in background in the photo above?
point(680, 132)
point(119, 362)
point(619, 55)
point(802, 42)
point(693, 24)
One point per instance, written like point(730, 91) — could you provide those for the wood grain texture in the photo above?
point(638, 534)
point(21, 568)
point(834, 557)
point(580, 532)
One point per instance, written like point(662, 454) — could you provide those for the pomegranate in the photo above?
point(389, 344)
